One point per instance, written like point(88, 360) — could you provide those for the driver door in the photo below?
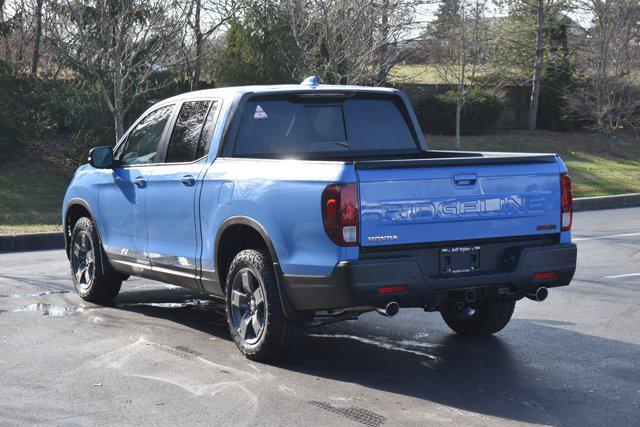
point(123, 192)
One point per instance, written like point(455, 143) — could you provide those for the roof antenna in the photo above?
point(311, 81)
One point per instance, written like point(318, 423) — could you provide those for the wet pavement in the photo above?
point(161, 354)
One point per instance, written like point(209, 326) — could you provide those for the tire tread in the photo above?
point(281, 334)
point(493, 316)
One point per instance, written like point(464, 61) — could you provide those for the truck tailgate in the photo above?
point(426, 203)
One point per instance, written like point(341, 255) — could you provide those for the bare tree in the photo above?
point(122, 44)
point(14, 28)
point(6, 28)
point(350, 41)
point(459, 42)
point(609, 61)
point(37, 36)
point(205, 17)
point(532, 118)
point(522, 46)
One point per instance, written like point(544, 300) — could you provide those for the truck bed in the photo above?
point(438, 158)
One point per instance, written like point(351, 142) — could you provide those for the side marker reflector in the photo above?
point(392, 289)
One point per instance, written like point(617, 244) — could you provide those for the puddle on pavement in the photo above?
point(37, 294)
point(406, 346)
point(43, 309)
point(199, 303)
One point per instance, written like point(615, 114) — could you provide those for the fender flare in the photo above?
point(81, 202)
point(250, 222)
point(78, 201)
point(289, 312)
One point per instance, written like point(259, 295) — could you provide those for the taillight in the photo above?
point(566, 202)
point(340, 213)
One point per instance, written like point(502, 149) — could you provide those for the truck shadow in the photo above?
point(535, 371)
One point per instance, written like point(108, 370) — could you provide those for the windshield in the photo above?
point(308, 124)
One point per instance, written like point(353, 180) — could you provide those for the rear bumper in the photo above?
point(356, 283)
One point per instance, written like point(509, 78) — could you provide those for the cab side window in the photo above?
point(143, 141)
point(192, 131)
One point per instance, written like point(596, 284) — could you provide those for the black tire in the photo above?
point(276, 335)
point(488, 317)
point(94, 279)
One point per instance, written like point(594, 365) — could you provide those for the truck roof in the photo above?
point(309, 84)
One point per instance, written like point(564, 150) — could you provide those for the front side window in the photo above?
point(188, 139)
point(143, 141)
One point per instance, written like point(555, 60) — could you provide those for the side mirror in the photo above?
point(101, 157)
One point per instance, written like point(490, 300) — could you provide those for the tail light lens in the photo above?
point(340, 213)
point(566, 202)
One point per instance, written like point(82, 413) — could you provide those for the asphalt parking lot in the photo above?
point(161, 354)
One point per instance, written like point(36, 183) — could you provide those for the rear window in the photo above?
point(274, 127)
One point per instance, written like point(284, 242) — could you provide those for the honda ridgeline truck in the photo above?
point(308, 204)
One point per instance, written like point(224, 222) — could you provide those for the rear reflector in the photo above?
point(566, 202)
point(392, 289)
point(546, 275)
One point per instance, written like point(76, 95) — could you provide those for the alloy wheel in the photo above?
point(83, 259)
point(248, 307)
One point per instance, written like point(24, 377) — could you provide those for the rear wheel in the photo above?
point(93, 277)
point(480, 319)
point(255, 317)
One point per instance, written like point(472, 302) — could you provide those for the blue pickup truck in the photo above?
point(301, 205)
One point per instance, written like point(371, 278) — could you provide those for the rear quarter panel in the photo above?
point(283, 196)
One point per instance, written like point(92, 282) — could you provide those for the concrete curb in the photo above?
point(31, 242)
point(35, 241)
point(606, 202)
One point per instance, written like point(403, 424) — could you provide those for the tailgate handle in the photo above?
point(465, 179)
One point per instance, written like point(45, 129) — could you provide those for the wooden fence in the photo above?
point(515, 99)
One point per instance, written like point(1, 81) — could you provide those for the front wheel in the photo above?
point(480, 319)
point(93, 277)
point(255, 317)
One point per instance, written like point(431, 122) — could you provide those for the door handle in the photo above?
point(465, 179)
point(140, 182)
point(188, 180)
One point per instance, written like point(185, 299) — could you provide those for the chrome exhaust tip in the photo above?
point(539, 295)
point(391, 309)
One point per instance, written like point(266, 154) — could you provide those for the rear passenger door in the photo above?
point(172, 193)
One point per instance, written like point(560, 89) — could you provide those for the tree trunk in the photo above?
point(461, 92)
point(7, 49)
point(384, 48)
point(118, 119)
point(537, 68)
point(38, 36)
point(458, 119)
point(195, 82)
point(118, 98)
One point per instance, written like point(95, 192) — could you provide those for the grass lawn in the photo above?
point(31, 198)
point(594, 170)
point(426, 74)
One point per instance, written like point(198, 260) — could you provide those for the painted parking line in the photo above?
point(611, 236)
point(619, 276)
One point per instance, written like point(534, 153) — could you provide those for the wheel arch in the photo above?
point(75, 209)
point(241, 221)
point(248, 223)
